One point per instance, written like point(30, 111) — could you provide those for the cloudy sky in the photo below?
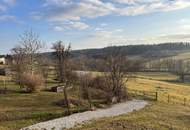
point(95, 23)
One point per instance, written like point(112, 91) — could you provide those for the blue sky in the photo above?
point(95, 23)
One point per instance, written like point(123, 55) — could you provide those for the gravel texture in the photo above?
point(79, 118)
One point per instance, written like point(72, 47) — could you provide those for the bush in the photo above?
point(97, 88)
point(32, 82)
point(74, 102)
point(2, 72)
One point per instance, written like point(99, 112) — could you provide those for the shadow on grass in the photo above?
point(184, 118)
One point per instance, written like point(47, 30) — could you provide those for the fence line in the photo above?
point(159, 96)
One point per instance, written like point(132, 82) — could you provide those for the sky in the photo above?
point(95, 23)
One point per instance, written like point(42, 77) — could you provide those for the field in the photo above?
point(160, 82)
point(183, 56)
point(158, 115)
point(18, 109)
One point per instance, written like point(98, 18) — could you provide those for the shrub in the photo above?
point(97, 87)
point(2, 72)
point(32, 82)
point(72, 101)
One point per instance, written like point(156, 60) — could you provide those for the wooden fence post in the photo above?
point(184, 101)
point(5, 86)
point(168, 98)
point(156, 96)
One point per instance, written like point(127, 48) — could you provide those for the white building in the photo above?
point(2, 60)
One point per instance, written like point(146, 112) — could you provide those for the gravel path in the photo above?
point(78, 118)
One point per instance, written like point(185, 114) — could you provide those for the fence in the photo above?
point(159, 96)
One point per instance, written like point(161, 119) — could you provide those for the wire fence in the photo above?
point(160, 96)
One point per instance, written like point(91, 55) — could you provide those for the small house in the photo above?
point(2, 61)
point(57, 89)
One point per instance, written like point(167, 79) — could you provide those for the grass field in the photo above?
point(183, 56)
point(161, 76)
point(18, 109)
point(163, 83)
point(157, 116)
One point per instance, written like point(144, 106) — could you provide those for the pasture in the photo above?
point(158, 115)
point(18, 109)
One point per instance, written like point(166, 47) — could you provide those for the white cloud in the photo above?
point(102, 39)
point(2, 7)
point(70, 25)
point(119, 30)
point(4, 4)
point(170, 38)
point(58, 28)
point(98, 29)
point(182, 26)
point(106, 38)
point(154, 6)
point(79, 25)
point(7, 17)
point(136, 1)
point(56, 2)
point(103, 24)
point(10, 2)
point(59, 11)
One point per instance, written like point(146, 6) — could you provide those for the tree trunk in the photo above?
point(66, 100)
point(89, 98)
point(182, 78)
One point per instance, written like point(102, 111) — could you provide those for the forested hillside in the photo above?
point(137, 54)
point(153, 50)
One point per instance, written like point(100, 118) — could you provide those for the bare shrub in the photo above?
point(116, 76)
point(100, 88)
point(72, 101)
point(33, 82)
point(85, 84)
point(96, 88)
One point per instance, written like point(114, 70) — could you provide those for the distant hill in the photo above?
point(137, 51)
point(151, 51)
point(136, 54)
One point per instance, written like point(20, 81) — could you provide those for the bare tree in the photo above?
point(116, 76)
point(32, 45)
point(62, 54)
point(18, 63)
point(64, 68)
point(24, 56)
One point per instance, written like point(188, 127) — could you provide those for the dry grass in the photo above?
point(158, 116)
point(183, 56)
point(18, 110)
point(153, 82)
